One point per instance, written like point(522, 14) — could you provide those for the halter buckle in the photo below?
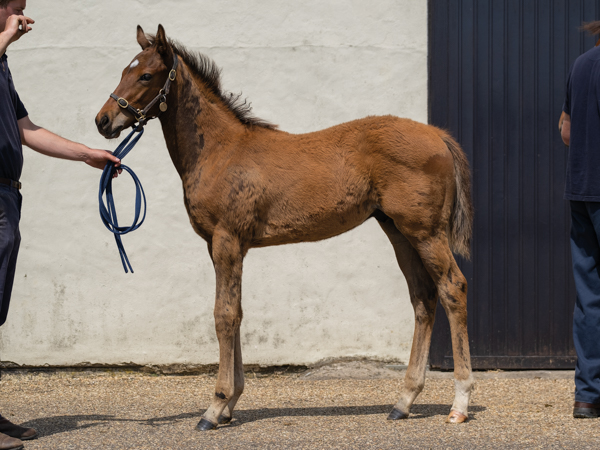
point(123, 103)
point(172, 75)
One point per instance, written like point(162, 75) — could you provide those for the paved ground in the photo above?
point(342, 406)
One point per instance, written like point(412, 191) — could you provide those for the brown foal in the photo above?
point(247, 184)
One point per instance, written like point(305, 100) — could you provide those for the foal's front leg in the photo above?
point(227, 255)
point(227, 414)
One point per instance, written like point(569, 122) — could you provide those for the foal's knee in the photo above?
point(227, 322)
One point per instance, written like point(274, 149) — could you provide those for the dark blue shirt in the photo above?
point(11, 110)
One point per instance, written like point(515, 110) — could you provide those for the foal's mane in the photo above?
point(206, 69)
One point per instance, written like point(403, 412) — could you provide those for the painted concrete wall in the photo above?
point(304, 66)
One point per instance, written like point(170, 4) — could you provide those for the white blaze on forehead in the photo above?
point(134, 64)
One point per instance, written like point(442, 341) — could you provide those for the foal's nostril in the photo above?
point(104, 121)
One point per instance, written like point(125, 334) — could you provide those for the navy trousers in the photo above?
point(10, 238)
point(585, 250)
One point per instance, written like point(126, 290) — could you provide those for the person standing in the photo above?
point(16, 129)
point(580, 130)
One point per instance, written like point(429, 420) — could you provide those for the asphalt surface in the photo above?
point(339, 406)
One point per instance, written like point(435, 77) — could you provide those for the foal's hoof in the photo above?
point(205, 425)
point(224, 420)
point(396, 414)
point(456, 417)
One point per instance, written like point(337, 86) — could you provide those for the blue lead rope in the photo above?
point(108, 212)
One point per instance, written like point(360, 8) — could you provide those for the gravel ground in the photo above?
point(342, 406)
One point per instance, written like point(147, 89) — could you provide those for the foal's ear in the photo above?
point(142, 39)
point(162, 44)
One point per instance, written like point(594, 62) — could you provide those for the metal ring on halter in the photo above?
point(122, 103)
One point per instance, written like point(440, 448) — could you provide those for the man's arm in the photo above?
point(565, 128)
point(48, 143)
point(11, 31)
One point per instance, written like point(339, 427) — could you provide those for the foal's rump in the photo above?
point(422, 179)
point(433, 184)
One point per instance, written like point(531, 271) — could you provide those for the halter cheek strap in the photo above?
point(141, 115)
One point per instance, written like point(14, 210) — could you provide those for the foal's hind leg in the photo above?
point(423, 296)
point(452, 290)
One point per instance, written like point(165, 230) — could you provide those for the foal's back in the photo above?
point(313, 186)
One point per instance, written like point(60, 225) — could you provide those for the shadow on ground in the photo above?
point(420, 411)
point(48, 426)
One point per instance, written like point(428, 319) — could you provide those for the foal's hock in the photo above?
point(247, 184)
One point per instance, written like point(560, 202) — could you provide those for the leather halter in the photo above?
point(141, 114)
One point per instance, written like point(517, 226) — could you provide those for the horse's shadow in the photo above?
point(420, 411)
point(48, 426)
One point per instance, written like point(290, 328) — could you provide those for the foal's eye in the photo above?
point(146, 77)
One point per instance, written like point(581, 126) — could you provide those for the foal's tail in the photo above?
point(461, 218)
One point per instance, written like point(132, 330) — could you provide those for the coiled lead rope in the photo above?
point(108, 212)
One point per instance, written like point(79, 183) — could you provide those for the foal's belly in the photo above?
point(313, 224)
point(329, 199)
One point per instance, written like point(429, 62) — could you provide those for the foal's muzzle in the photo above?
point(106, 126)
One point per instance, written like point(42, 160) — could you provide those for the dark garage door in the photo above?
point(497, 71)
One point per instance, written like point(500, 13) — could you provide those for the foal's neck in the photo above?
point(197, 123)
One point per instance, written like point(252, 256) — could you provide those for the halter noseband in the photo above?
point(141, 114)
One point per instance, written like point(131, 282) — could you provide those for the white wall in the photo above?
point(304, 66)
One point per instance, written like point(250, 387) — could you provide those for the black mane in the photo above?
point(206, 69)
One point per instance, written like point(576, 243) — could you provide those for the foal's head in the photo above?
point(141, 83)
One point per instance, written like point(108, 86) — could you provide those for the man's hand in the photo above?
point(17, 26)
point(565, 128)
point(98, 159)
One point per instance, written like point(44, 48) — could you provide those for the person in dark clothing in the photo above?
point(16, 129)
point(580, 130)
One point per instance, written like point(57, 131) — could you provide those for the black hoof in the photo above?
point(205, 425)
point(396, 414)
point(224, 420)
